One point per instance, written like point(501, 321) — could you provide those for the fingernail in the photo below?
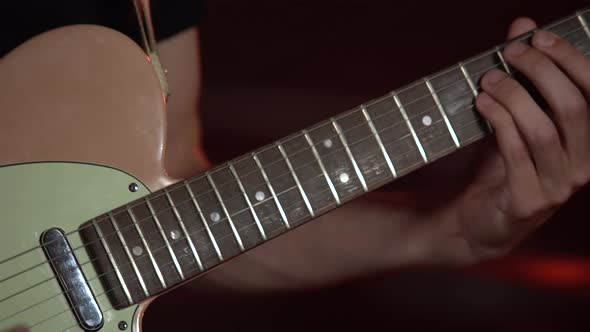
point(494, 76)
point(484, 99)
point(544, 39)
point(515, 49)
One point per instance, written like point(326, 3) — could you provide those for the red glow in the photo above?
point(558, 271)
point(553, 271)
point(148, 58)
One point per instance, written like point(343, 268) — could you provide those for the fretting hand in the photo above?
point(541, 161)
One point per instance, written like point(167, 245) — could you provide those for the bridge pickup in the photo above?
point(72, 280)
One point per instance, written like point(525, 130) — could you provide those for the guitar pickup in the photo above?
point(72, 280)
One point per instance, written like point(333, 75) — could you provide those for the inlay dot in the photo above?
point(344, 177)
point(175, 234)
point(259, 196)
point(427, 120)
point(328, 143)
point(137, 250)
point(215, 216)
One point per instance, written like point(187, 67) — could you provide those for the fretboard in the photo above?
point(181, 231)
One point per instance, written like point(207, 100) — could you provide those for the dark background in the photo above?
point(274, 67)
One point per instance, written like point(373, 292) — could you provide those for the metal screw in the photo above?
point(133, 187)
point(122, 325)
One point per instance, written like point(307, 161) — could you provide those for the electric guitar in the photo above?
point(93, 228)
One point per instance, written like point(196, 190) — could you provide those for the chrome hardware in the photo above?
point(72, 280)
point(133, 187)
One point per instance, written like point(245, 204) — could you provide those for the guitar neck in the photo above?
point(183, 230)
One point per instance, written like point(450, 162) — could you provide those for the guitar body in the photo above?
point(82, 117)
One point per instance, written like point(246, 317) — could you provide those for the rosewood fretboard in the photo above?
point(176, 233)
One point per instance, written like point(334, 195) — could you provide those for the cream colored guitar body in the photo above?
point(82, 118)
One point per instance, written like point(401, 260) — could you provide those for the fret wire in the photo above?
point(379, 142)
point(350, 156)
point(473, 89)
point(468, 79)
point(271, 190)
point(113, 262)
point(129, 256)
point(583, 22)
point(319, 160)
point(203, 220)
point(229, 220)
point(409, 124)
point(147, 248)
point(164, 237)
point(504, 63)
point(442, 112)
point(296, 179)
point(241, 186)
point(184, 230)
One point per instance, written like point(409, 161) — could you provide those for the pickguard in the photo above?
point(33, 198)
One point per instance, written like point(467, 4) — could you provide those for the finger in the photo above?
point(562, 95)
point(520, 26)
point(520, 171)
point(537, 129)
point(574, 115)
point(572, 61)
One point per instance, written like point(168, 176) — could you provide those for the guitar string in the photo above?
point(314, 161)
point(239, 195)
point(413, 85)
point(75, 325)
point(208, 246)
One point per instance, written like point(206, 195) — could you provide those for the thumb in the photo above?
point(521, 25)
